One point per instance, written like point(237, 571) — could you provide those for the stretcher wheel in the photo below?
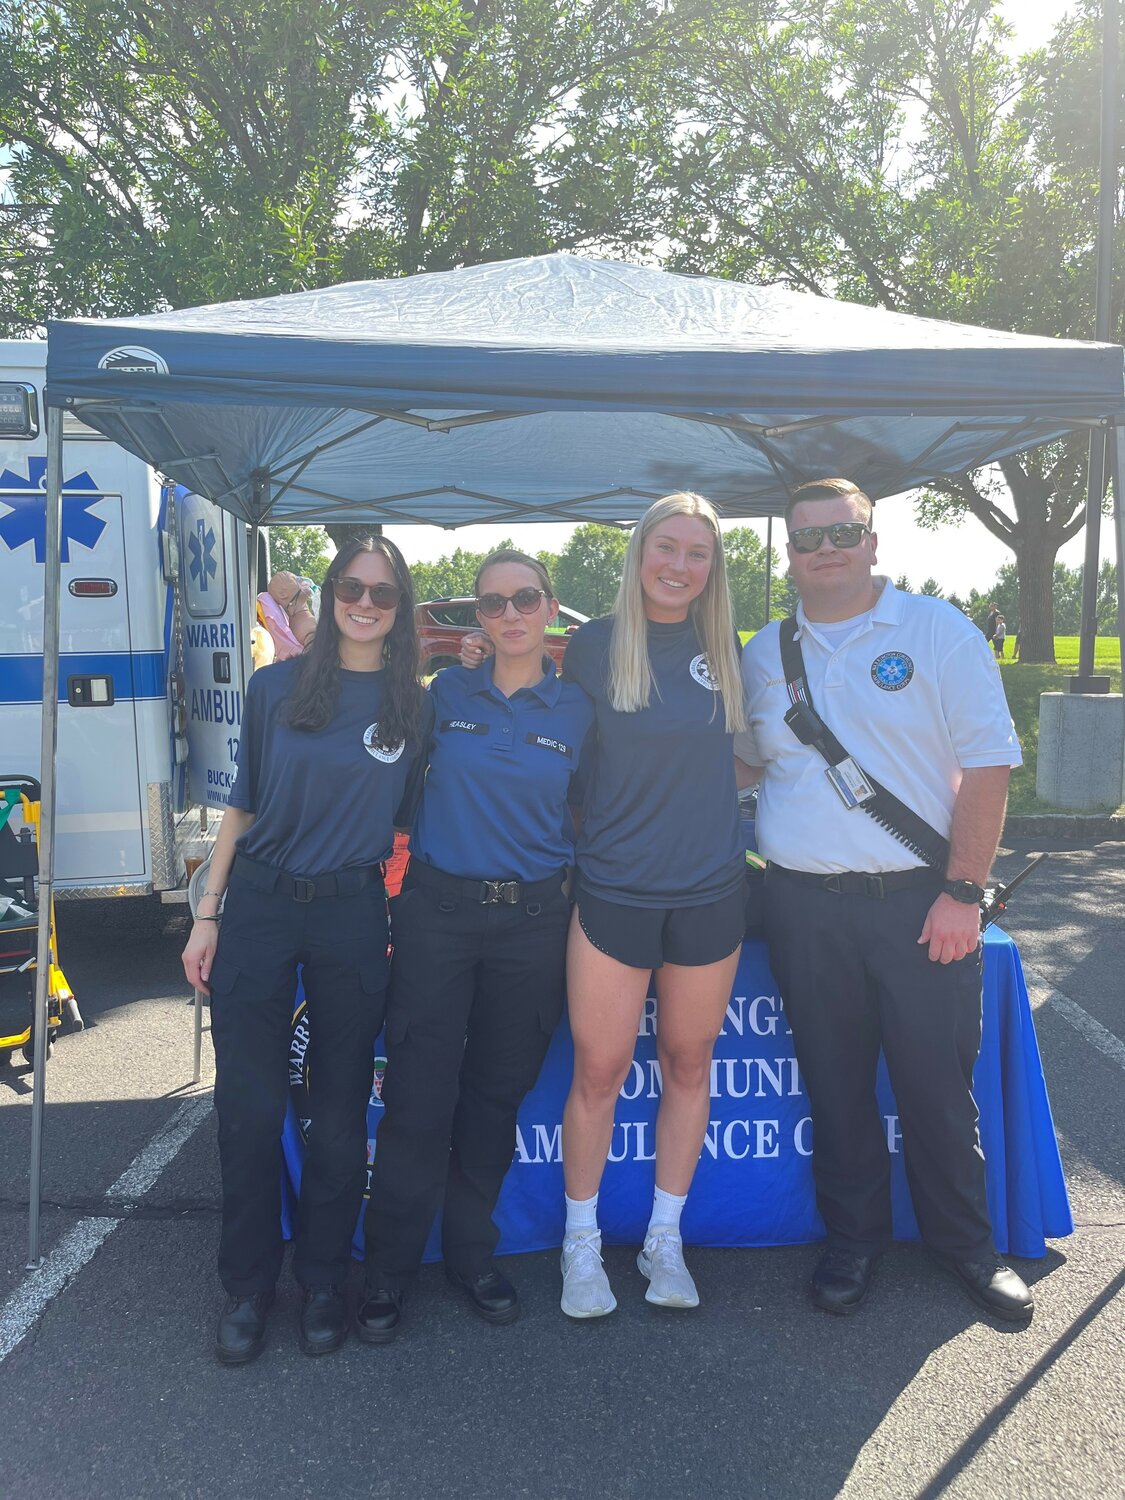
point(28, 1049)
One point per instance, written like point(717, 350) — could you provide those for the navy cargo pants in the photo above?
point(341, 940)
point(854, 978)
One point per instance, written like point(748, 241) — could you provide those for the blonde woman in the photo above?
point(660, 878)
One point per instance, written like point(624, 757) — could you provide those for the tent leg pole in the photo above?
point(52, 568)
point(1117, 460)
point(1095, 488)
point(769, 567)
point(197, 1066)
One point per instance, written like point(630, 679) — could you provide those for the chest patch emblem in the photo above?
point(700, 669)
point(892, 671)
point(370, 737)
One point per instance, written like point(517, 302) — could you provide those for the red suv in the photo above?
point(443, 623)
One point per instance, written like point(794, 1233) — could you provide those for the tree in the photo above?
point(746, 575)
point(452, 576)
point(891, 152)
point(589, 568)
point(932, 588)
point(299, 550)
point(163, 153)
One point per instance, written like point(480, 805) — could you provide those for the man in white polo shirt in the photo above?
point(872, 945)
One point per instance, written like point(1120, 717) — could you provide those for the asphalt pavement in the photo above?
point(113, 1390)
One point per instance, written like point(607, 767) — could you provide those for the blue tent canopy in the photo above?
point(559, 388)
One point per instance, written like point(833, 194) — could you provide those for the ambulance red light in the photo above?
point(93, 588)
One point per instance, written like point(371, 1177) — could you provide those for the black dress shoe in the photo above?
point(324, 1320)
point(378, 1315)
point(993, 1286)
point(492, 1295)
point(241, 1335)
point(841, 1281)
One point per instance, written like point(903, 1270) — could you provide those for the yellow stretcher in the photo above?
point(19, 926)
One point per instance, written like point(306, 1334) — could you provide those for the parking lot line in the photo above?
point(1092, 1031)
point(81, 1243)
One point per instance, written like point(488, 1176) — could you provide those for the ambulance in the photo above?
point(154, 651)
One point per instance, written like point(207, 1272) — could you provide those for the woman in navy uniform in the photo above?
point(477, 980)
point(661, 878)
point(329, 742)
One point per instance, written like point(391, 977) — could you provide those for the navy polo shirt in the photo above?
point(660, 811)
point(494, 804)
point(324, 799)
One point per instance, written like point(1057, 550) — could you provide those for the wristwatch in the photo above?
point(965, 891)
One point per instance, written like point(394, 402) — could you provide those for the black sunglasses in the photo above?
point(527, 600)
point(351, 591)
point(843, 534)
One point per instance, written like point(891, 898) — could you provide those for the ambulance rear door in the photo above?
point(215, 605)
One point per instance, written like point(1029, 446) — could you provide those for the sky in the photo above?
point(960, 558)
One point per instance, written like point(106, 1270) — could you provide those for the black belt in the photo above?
point(337, 883)
point(860, 883)
point(486, 892)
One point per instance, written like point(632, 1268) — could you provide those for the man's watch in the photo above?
point(965, 891)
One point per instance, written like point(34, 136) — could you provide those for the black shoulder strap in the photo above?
point(909, 827)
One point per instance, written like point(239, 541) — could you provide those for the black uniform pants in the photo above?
point(854, 977)
point(476, 993)
point(342, 943)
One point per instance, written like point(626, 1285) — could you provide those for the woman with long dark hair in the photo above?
point(329, 742)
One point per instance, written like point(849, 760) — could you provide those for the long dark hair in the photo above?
point(313, 701)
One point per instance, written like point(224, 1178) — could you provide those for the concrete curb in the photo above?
point(1083, 827)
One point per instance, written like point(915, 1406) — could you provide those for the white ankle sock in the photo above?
point(581, 1215)
point(666, 1211)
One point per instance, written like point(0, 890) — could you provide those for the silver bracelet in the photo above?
point(201, 918)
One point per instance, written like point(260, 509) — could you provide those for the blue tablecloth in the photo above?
point(754, 1182)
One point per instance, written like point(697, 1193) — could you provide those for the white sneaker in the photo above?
point(586, 1291)
point(661, 1259)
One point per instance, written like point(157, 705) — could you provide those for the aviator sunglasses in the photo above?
point(351, 591)
point(492, 606)
point(842, 534)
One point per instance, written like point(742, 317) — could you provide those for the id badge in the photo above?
point(852, 785)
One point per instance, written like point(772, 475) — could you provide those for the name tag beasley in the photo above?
point(731, 1078)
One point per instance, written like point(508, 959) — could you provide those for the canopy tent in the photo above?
point(561, 388)
point(548, 388)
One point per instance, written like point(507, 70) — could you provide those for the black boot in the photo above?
point(993, 1286)
point(324, 1320)
point(492, 1295)
point(241, 1335)
point(378, 1315)
point(841, 1280)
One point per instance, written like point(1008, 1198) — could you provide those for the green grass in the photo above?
point(1023, 683)
point(1107, 652)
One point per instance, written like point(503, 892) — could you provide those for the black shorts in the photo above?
point(645, 937)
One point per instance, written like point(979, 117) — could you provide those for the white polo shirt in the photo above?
point(914, 696)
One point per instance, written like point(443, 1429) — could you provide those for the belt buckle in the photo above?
point(508, 891)
point(304, 890)
point(489, 892)
point(873, 886)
